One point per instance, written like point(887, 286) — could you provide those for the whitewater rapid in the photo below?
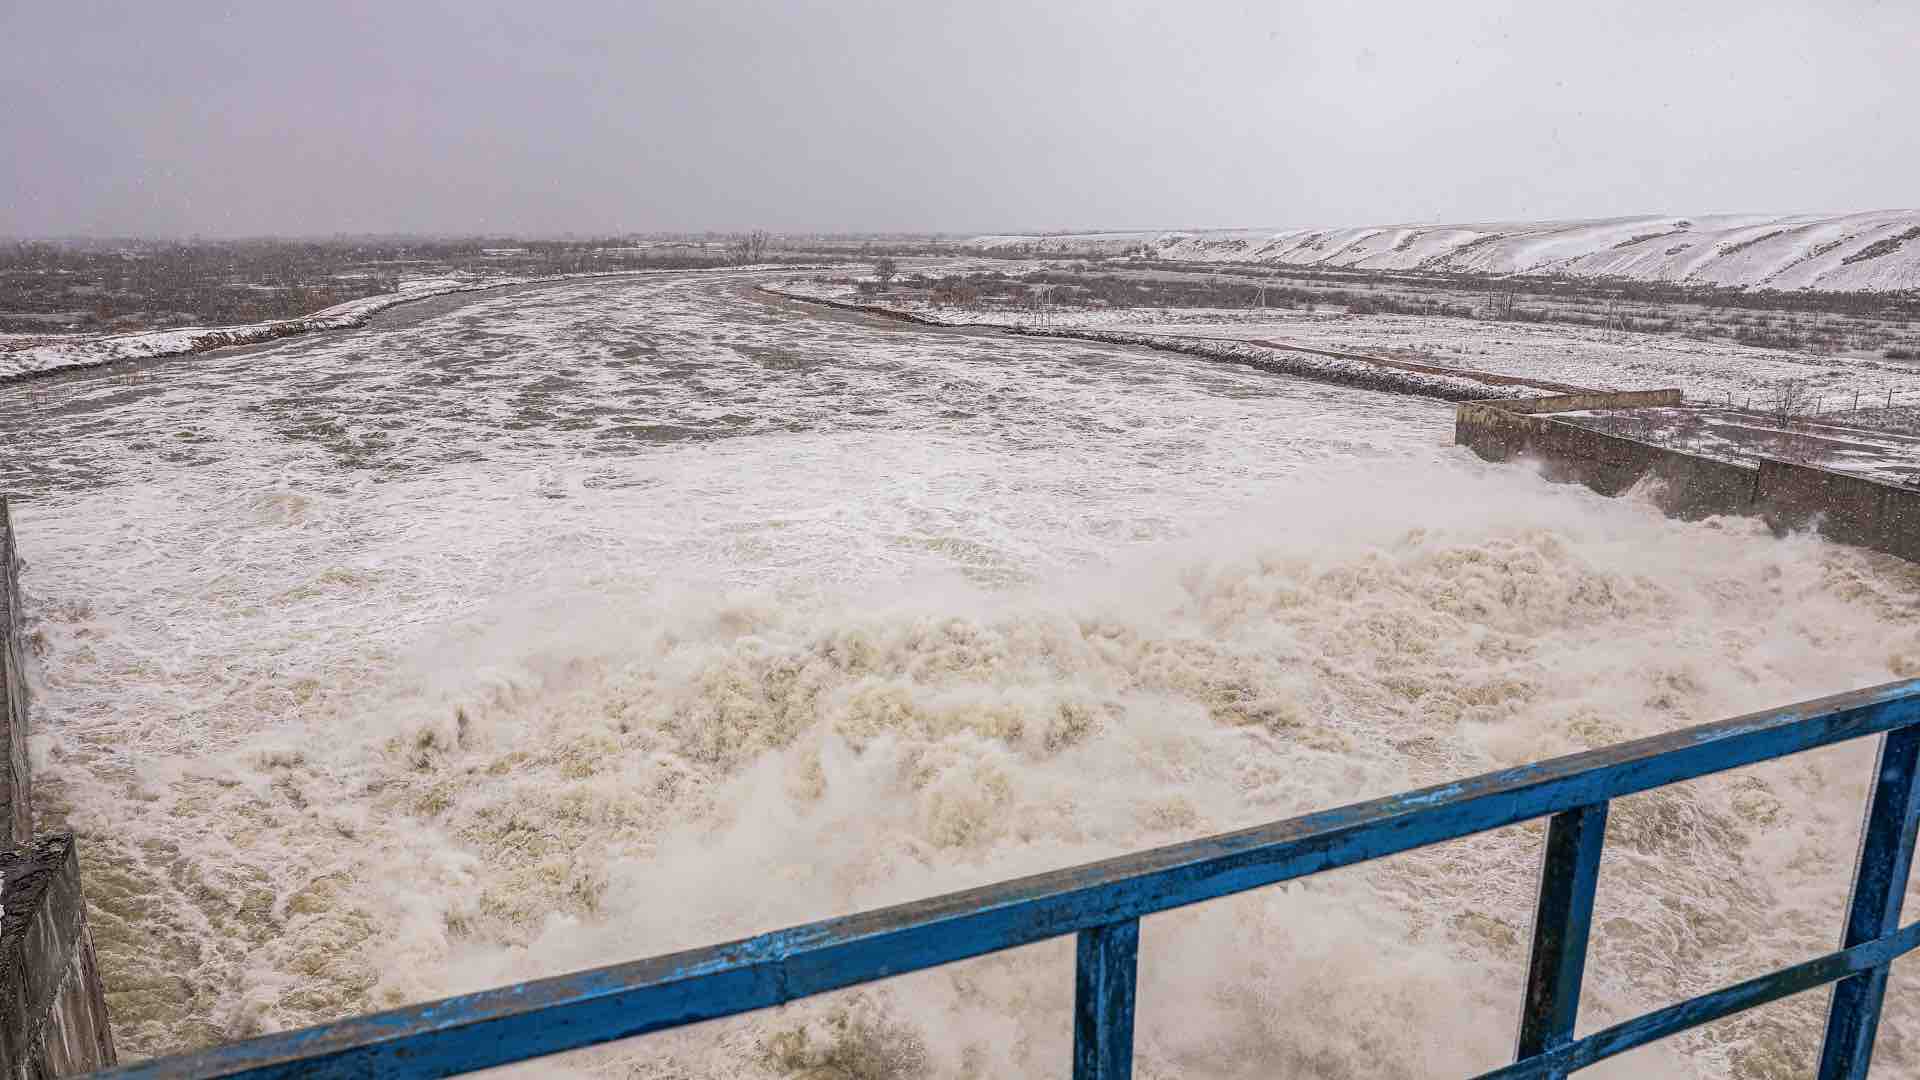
point(514, 635)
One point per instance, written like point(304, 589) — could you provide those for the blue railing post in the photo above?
point(1562, 920)
point(1879, 886)
point(1103, 1001)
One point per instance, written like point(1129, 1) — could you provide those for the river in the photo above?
point(523, 632)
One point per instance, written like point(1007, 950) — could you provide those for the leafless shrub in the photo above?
point(1790, 398)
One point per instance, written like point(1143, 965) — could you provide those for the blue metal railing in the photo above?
point(1103, 902)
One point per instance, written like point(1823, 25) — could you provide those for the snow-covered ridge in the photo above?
point(151, 344)
point(1876, 250)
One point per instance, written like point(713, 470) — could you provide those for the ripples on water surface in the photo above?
point(510, 636)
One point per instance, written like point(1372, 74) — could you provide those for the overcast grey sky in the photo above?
point(546, 116)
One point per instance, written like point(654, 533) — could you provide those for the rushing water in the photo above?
point(514, 635)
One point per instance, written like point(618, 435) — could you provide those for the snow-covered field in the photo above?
point(1876, 250)
point(1549, 352)
point(40, 356)
point(1602, 359)
point(1102, 326)
point(500, 638)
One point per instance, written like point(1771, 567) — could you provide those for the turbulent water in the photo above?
point(515, 635)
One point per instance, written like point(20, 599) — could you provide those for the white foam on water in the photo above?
point(345, 722)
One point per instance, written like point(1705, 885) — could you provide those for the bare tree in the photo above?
point(750, 247)
point(884, 268)
point(1502, 304)
point(1616, 317)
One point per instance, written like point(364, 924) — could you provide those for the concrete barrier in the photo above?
point(1844, 508)
point(53, 1016)
point(53, 1013)
point(16, 792)
point(1595, 399)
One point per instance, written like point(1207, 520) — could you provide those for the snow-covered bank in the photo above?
point(1551, 356)
point(153, 344)
point(1353, 371)
point(1871, 251)
point(1347, 371)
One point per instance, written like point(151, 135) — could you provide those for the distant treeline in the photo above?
point(1902, 304)
point(95, 285)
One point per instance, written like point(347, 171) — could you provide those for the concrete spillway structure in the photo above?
point(53, 1014)
point(1841, 507)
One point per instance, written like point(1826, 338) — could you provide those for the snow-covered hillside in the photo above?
point(1876, 250)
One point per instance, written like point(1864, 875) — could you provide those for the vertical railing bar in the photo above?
point(1104, 982)
point(1562, 922)
point(1879, 886)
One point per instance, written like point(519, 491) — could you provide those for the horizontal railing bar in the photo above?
point(585, 1008)
point(1705, 1009)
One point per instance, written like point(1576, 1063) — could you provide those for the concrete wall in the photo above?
point(1844, 508)
point(16, 793)
point(53, 1017)
point(53, 1014)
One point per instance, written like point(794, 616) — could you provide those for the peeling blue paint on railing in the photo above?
point(1103, 902)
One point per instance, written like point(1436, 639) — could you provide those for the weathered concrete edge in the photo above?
point(53, 1010)
point(1841, 507)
